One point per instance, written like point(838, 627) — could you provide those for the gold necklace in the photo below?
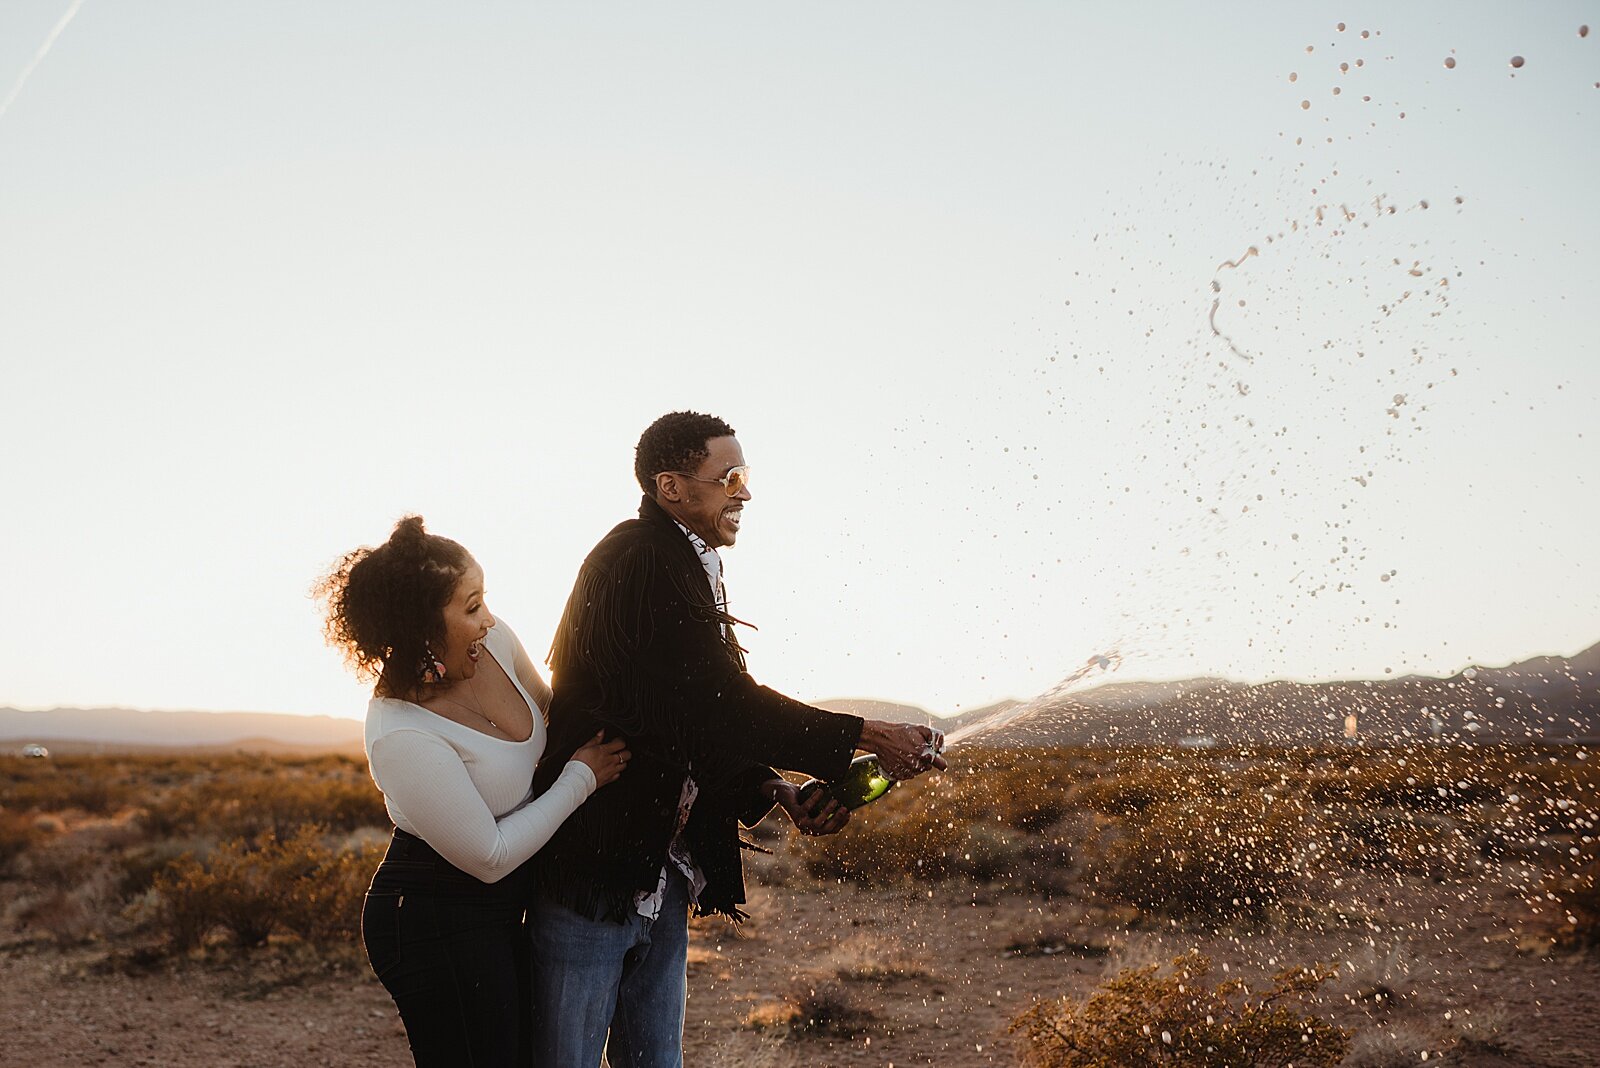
point(479, 712)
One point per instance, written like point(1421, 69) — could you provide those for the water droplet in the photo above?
point(1305, 105)
point(1583, 31)
point(1517, 61)
point(1344, 68)
point(1310, 49)
point(1449, 62)
point(1336, 90)
point(1365, 34)
point(1293, 76)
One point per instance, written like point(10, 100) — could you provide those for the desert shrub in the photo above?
point(326, 903)
point(139, 865)
point(1489, 1030)
point(1206, 856)
point(813, 1006)
point(1420, 778)
point(867, 957)
point(237, 794)
point(1036, 815)
point(58, 913)
point(1023, 789)
point(884, 848)
point(1569, 905)
point(274, 802)
point(67, 858)
point(1149, 1016)
point(1404, 840)
point(1398, 1046)
point(18, 833)
point(85, 784)
point(1378, 975)
point(296, 885)
point(992, 817)
point(69, 893)
point(1555, 798)
point(885, 844)
point(1131, 789)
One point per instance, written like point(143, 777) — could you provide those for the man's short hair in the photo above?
point(675, 442)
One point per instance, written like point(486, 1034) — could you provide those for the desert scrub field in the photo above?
point(1218, 834)
point(1349, 866)
point(175, 853)
point(1247, 846)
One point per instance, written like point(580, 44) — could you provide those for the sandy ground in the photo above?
point(933, 981)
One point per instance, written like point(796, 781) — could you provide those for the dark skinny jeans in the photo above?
point(453, 953)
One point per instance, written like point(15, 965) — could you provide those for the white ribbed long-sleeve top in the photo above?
point(464, 792)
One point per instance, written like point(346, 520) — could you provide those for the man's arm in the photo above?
point(628, 614)
point(736, 714)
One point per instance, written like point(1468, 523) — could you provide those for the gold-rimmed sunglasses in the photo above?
point(733, 483)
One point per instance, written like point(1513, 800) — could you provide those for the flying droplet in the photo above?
point(1336, 90)
point(1365, 34)
point(1344, 68)
point(1583, 31)
point(1293, 76)
point(1305, 105)
point(1310, 49)
point(1449, 62)
point(1517, 62)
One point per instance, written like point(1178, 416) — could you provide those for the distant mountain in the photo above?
point(1546, 697)
point(867, 708)
point(126, 728)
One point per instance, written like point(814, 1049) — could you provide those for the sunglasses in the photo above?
point(733, 483)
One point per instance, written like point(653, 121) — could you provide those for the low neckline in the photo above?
point(516, 683)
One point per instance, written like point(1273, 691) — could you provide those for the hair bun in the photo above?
point(410, 537)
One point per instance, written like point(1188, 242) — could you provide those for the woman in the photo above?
point(454, 730)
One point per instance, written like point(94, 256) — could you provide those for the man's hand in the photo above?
point(905, 750)
point(821, 814)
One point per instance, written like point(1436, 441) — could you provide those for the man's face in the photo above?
point(700, 502)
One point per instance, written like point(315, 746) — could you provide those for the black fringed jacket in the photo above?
point(644, 651)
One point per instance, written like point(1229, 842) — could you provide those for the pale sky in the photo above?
point(273, 275)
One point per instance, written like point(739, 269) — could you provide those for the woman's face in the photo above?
point(466, 621)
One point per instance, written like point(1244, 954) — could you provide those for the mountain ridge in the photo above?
point(1549, 697)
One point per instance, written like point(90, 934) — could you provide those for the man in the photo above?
point(647, 650)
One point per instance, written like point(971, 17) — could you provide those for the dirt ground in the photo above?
point(900, 978)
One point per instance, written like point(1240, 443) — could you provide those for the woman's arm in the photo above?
point(423, 777)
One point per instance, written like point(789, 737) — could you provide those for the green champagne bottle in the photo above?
point(864, 781)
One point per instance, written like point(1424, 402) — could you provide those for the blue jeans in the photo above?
point(594, 975)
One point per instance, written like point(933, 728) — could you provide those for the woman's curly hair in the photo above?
point(385, 605)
